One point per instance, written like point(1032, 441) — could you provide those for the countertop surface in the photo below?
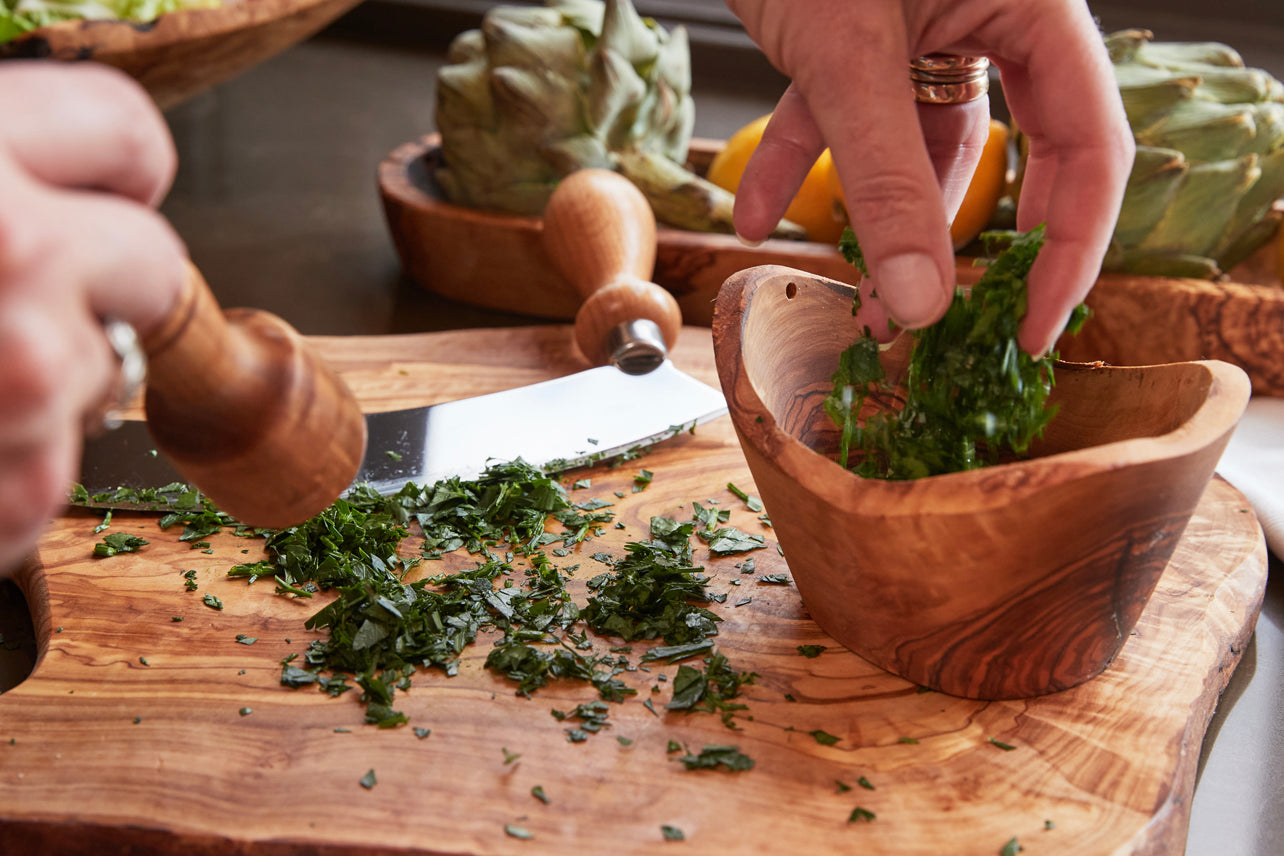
point(277, 201)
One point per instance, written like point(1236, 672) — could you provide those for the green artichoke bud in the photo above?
point(1210, 156)
point(539, 92)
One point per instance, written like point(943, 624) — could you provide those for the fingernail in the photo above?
point(910, 288)
point(748, 242)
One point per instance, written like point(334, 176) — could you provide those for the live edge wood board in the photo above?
point(200, 750)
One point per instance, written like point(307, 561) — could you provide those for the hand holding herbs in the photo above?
point(904, 170)
point(973, 397)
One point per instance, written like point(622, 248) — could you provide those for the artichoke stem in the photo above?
point(683, 199)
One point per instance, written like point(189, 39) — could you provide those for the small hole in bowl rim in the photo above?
point(791, 291)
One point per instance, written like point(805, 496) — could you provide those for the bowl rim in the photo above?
point(1227, 395)
point(104, 38)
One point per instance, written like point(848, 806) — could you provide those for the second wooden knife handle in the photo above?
point(599, 232)
point(249, 412)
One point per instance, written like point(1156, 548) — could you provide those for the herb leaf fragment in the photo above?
point(711, 757)
point(114, 543)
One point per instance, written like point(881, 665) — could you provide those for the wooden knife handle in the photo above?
point(599, 232)
point(249, 412)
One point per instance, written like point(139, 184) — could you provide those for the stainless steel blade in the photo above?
point(557, 424)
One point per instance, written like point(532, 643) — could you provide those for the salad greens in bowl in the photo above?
point(23, 16)
point(174, 48)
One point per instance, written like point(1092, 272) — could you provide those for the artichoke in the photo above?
point(1210, 157)
point(539, 92)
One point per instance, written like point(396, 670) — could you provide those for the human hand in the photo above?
point(904, 166)
point(84, 158)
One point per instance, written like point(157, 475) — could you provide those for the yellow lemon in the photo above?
point(986, 189)
point(983, 194)
point(812, 207)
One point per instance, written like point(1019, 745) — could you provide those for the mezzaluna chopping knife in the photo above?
point(243, 409)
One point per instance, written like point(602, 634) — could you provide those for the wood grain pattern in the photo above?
point(1111, 763)
point(1148, 320)
point(184, 53)
point(495, 261)
point(249, 412)
point(1003, 582)
point(599, 234)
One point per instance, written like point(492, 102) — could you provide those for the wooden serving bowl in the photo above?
point(1006, 582)
point(496, 261)
point(183, 53)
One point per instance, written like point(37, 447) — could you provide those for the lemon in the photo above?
point(813, 206)
point(818, 205)
point(987, 187)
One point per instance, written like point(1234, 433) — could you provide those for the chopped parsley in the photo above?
point(592, 718)
point(384, 619)
point(972, 397)
point(711, 690)
point(115, 543)
point(711, 757)
point(753, 503)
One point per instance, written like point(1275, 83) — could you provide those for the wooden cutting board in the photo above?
point(103, 753)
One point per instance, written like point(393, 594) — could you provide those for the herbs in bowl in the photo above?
point(972, 397)
point(1014, 579)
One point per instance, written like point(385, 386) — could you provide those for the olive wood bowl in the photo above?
point(183, 53)
point(496, 261)
point(1011, 581)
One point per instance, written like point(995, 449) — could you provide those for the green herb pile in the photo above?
point(382, 627)
point(972, 396)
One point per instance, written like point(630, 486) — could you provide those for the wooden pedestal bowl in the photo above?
point(183, 53)
point(1006, 582)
